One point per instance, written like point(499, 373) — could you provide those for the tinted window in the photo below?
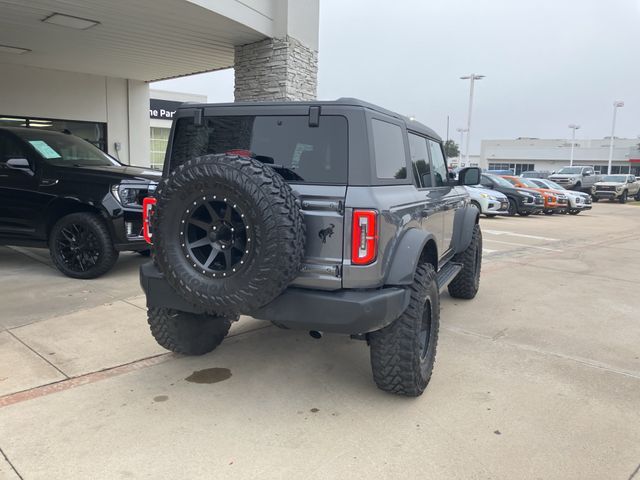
point(420, 161)
point(298, 152)
point(10, 148)
point(438, 165)
point(389, 150)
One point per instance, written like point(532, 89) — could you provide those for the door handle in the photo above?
point(48, 182)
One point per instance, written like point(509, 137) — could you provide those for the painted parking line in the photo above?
point(522, 245)
point(521, 235)
point(488, 250)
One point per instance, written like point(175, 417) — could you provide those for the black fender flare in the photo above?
point(463, 223)
point(406, 256)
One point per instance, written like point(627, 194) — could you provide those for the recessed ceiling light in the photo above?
point(70, 21)
point(14, 50)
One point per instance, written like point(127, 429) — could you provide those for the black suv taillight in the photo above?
point(364, 237)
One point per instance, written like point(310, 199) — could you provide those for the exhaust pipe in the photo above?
point(315, 334)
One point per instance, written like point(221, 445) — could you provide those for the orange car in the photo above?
point(554, 201)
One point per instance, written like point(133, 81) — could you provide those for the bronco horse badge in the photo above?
point(326, 232)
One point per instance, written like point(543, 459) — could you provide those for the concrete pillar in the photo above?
point(275, 69)
point(285, 66)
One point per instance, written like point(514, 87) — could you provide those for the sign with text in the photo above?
point(163, 109)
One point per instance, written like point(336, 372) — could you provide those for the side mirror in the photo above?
point(469, 176)
point(21, 164)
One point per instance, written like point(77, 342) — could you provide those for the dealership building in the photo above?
point(86, 66)
point(526, 154)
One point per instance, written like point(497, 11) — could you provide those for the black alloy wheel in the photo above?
point(81, 247)
point(78, 247)
point(216, 237)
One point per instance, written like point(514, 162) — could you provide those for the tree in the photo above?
point(451, 149)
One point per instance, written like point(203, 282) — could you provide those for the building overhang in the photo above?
point(143, 40)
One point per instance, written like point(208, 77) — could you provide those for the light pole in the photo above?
point(616, 104)
point(462, 132)
point(473, 77)
point(573, 127)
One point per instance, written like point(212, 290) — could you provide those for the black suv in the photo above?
point(61, 192)
point(522, 201)
point(325, 216)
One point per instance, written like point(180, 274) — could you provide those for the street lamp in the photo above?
point(473, 77)
point(462, 132)
point(616, 105)
point(573, 127)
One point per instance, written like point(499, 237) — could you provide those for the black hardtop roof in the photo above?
point(344, 101)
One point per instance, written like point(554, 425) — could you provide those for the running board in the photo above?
point(447, 274)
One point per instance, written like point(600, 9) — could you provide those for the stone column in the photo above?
point(275, 69)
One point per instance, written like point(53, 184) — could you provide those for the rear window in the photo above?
point(300, 153)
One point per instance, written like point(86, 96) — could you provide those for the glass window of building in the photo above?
point(159, 143)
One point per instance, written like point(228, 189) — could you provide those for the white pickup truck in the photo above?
point(576, 178)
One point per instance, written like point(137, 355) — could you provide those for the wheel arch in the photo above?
point(65, 206)
point(415, 246)
point(465, 219)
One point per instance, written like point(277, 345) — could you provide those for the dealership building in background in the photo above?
point(86, 66)
point(526, 154)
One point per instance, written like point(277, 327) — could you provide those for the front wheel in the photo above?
point(403, 353)
point(187, 333)
point(594, 199)
point(549, 212)
point(574, 212)
point(637, 196)
point(524, 214)
point(467, 282)
point(623, 197)
point(513, 208)
point(80, 246)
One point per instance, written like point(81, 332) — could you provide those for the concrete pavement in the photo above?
point(538, 377)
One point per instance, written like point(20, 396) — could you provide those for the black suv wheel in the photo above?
point(80, 246)
point(467, 282)
point(403, 353)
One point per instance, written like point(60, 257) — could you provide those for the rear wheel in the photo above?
point(80, 246)
point(187, 333)
point(403, 353)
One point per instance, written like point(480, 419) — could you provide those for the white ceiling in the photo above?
point(138, 39)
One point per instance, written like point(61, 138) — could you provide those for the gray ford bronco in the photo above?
point(332, 216)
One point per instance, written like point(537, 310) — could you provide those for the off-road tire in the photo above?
point(467, 282)
point(513, 208)
point(623, 197)
point(399, 362)
point(104, 254)
point(187, 333)
point(275, 237)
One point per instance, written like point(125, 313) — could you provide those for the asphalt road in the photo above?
point(538, 377)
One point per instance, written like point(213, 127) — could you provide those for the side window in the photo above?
point(485, 182)
point(10, 148)
point(438, 165)
point(389, 150)
point(420, 161)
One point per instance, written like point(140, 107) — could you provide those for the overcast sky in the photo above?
point(547, 63)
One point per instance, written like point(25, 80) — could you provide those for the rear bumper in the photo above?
point(341, 311)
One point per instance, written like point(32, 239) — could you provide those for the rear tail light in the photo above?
point(364, 237)
point(147, 210)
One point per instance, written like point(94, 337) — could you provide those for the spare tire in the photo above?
point(229, 235)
